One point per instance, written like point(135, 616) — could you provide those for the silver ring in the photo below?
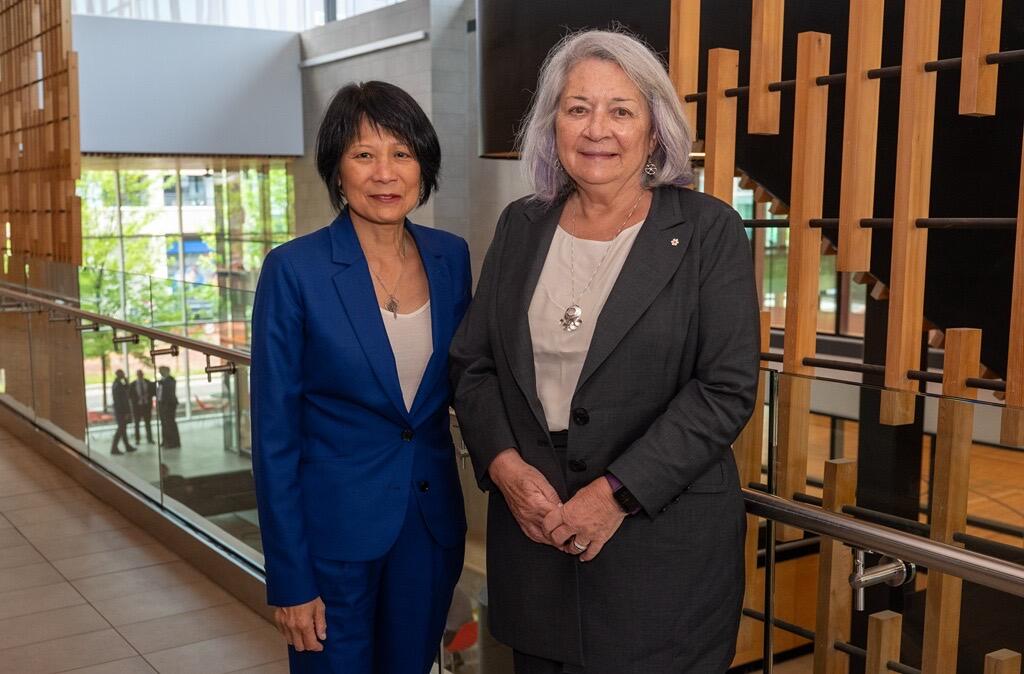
point(579, 547)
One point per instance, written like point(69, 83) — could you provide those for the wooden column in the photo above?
point(765, 66)
point(684, 54)
point(835, 563)
point(720, 130)
point(860, 135)
point(978, 80)
point(913, 189)
point(1003, 661)
point(809, 128)
point(950, 479)
point(1013, 414)
point(885, 632)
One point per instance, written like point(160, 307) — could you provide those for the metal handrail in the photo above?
point(224, 353)
point(971, 566)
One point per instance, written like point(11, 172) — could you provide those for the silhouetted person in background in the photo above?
point(122, 412)
point(167, 407)
point(142, 393)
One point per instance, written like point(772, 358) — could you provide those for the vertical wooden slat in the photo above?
point(748, 449)
point(885, 632)
point(1003, 661)
point(832, 620)
point(720, 133)
point(950, 478)
point(684, 54)
point(860, 135)
point(1012, 432)
point(765, 66)
point(809, 129)
point(913, 188)
point(978, 80)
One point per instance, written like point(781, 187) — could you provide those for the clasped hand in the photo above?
point(581, 526)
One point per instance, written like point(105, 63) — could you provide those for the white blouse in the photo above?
point(412, 342)
point(558, 355)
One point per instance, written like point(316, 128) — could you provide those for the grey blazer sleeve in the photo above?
point(477, 395)
point(707, 414)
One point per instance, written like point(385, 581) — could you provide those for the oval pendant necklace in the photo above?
point(572, 319)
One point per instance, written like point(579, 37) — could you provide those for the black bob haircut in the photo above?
point(386, 107)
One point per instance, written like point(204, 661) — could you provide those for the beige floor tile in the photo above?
point(113, 560)
point(47, 625)
point(10, 538)
point(30, 575)
point(97, 541)
point(19, 555)
point(43, 498)
point(72, 526)
point(132, 581)
point(224, 654)
point(56, 511)
point(133, 608)
point(5, 523)
point(279, 667)
point(59, 655)
point(136, 665)
point(35, 599)
point(25, 485)
point(191, 627)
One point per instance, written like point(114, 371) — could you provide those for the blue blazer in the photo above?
point(335, 452)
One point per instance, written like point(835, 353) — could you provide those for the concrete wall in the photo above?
point(174, 88)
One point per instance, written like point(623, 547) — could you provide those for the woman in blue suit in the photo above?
point(359, 501)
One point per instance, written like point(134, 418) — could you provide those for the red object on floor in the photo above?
point(465, 637)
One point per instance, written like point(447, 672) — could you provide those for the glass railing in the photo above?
point(192, 457)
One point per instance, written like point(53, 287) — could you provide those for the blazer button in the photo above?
point(407, 434)
point(581, 416)
point(423, 485)
point(577, 466)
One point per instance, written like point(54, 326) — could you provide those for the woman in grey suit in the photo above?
point(607, 363)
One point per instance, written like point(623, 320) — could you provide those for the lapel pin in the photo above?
point(674, 242)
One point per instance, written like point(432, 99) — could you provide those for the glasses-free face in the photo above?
point(380, 176)
point(603, 127)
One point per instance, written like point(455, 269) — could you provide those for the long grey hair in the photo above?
point(536, 138)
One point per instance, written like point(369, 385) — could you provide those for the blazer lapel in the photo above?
point(520, 273)
point(657, 251)
point(355, 289)
point(441, 305)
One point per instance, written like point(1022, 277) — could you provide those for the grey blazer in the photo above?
point(667, 385)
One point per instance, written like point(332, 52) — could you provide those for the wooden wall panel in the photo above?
point(1003, 661)
point(720, 134)
point(765, 66)
point(982, 21)
point(885, 633)
point(1012, 432)
point(835, 564)
point(860, 135)
point(913, 189)
point(39, 151)
point(684, 54)
point(809, 124)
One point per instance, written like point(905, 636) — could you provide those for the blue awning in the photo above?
point(192, 247)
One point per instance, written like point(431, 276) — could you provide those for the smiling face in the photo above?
point(379, 176)
point(603, 126)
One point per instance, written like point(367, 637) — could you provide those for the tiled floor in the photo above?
point(83, 590)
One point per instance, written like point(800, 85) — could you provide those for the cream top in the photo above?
point(412, 342)
point(558, 355)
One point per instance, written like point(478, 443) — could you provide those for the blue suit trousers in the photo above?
point(387, 615)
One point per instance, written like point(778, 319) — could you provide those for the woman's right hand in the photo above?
point(303, 626)
point(528, 493)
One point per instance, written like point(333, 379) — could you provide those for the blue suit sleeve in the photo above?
point(276, 392)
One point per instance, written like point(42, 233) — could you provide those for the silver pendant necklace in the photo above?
point(572, 319)
point(391, 302)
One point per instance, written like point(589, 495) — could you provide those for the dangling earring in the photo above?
point(650, 168)
point(558, 165)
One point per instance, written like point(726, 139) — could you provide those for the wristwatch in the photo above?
point(623, 496)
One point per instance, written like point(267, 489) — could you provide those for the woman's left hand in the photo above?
point(586, 522)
